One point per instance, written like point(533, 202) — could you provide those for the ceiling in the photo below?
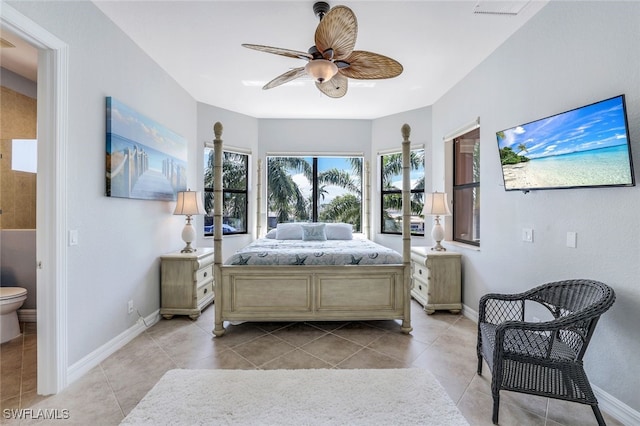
point(198, 43)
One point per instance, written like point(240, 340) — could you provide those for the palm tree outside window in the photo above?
point(391, 184)
point(235, 177)
point(314, 189)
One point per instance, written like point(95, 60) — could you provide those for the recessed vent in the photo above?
point(508, 8)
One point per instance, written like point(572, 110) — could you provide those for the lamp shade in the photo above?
point(189, 203)
point(436, 204)
point(321, 70)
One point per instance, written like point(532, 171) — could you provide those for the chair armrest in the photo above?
point(496, 308)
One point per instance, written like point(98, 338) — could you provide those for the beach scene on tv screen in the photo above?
point(583, 147)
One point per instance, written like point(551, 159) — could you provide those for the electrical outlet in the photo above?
point(130, 306)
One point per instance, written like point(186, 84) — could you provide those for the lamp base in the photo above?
point(438, 247)
point(188, 249)
point(437, 233)
point(188, 235)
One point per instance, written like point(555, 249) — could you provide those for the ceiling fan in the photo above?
point(332, 59)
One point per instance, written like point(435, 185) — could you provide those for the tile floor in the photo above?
point(442, 343)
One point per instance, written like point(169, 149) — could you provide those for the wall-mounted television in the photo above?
point(584, 147)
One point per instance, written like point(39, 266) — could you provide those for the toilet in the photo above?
point(11, 298)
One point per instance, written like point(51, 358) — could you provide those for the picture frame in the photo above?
point(144, 160)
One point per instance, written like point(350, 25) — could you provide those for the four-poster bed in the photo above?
point(311, 292)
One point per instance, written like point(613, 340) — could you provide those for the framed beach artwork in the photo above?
point(144, 159)
point(586, 147)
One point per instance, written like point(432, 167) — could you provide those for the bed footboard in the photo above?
point(337, 293)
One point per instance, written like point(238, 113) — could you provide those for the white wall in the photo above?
point(17, 262)
point(570, 54)
point(120, 240)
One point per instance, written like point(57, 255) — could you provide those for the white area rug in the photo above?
point(296, 397)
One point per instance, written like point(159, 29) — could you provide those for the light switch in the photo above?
point(572, 239)
point(527, 235)
point(73, 237)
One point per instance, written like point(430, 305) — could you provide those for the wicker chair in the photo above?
point(542, 358)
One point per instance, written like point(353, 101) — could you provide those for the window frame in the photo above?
point(228, 191)
point(398, 192)
point(458, 210)
point(313, 159)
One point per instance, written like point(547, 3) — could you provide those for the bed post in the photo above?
point(367, 200)
point(259, 199)
point(218, 328)
point(406, 227)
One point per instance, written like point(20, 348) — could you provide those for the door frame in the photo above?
point(51, 199)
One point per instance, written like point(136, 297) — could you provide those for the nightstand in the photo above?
point(436, 279)
point(186, 283)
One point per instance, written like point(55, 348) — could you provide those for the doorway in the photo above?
point(51, 255)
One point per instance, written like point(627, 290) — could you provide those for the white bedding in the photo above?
point(358, 251)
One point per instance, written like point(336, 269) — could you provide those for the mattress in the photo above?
point(357, 251)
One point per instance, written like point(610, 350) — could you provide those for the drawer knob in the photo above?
point(420, 271)
point(205, 274)
point(420, 286)
point(205, 290)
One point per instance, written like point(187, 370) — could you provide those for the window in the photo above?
point(325, 189)
point(24, 155)
point(466, 187)
point(235, 178)
point(391, 184)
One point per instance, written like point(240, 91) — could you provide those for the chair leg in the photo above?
point(496, 407)
point(479, 366)
point(596, 411)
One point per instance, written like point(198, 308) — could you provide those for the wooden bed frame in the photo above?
point(311, 293)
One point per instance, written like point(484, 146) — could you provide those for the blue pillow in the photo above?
point(314, 232)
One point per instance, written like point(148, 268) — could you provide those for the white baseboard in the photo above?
point(78, 369)
point(27, 315)
point(608, 403)
point(616, 408)
point(470, 313)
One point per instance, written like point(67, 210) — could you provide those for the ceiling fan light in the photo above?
point(321, 70)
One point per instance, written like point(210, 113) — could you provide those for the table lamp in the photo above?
point(436, 205)
point(189, 203)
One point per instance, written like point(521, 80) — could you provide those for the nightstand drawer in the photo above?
point(420, 272)
point(421, 287)
point(203, 275)
point(205, 290)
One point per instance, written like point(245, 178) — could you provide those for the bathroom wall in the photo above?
point(17, 189)
point(18, 262)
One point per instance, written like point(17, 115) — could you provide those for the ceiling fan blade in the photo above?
point(371, 66)
point(336, 87)
point(279, 51)
point(286, 77)
point(337, 30)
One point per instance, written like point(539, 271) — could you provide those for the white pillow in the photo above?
point(289, 231)
point(271, 234)
point(339, 231)
point(314, 232)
